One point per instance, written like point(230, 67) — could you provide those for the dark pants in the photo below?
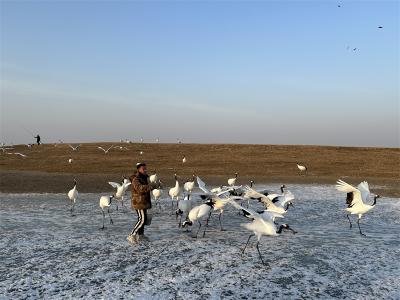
point(142, 219)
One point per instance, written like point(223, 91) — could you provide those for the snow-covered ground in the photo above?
point(46, 253)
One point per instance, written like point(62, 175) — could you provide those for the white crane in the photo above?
point(74, 148)
point(184, 207)
point(232, 181)
point(302, 168)
point(219, 206)
point(355, 199)
point(183, 159)
point(216, 198)
point(104, 150)
point(282, 202)
point(198, 213)
point(153, 178)
point(105, 202)
point(188, 186)
point(73, 195)
point(157, 194)
point(262, 224)
point(120, 189)
point(174, 192)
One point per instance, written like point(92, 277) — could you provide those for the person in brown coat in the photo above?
point(141, 199)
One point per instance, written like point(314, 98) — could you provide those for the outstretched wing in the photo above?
point(363, 187)
point(249, 192)
point(347, 188)
point(285, 198)
point(110, 148)
point(114, 184)
point(252, 214)
point(270, 216)
point(273, 197)
point(101, 148)
point(202, 185)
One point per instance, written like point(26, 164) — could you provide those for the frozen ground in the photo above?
point(46, 253)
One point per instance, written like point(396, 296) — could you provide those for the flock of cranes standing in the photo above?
point(262, 222)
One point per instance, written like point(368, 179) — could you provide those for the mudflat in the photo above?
point(46, 168)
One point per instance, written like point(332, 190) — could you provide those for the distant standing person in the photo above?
point(141, 200)
point(37, 137)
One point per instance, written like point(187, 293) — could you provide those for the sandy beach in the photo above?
point(46, 169)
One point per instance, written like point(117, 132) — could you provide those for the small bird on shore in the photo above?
point(302, 168)
point(355, 200)
point(73, 195)
point(184, 159)
point(105, 202)
point(70, 161)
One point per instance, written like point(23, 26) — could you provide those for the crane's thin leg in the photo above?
point(111, 221)
point(208, 219)
point(220, 222)
point(358, 223)
point(180, 221)
point(104, 216)
point(116, 204)
point(259, 253)
point(351, 225)
point(122, 201)
point(204, 232)
point(245, 246)
point(198, 230)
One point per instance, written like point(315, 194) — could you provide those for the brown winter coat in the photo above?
point(140, 191)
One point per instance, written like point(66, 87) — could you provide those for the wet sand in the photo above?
point(46, 169)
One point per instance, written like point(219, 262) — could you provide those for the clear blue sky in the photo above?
point(280, 72)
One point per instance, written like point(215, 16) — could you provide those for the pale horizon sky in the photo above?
point(265, 72)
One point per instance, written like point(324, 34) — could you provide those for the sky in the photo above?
point(263, 72)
